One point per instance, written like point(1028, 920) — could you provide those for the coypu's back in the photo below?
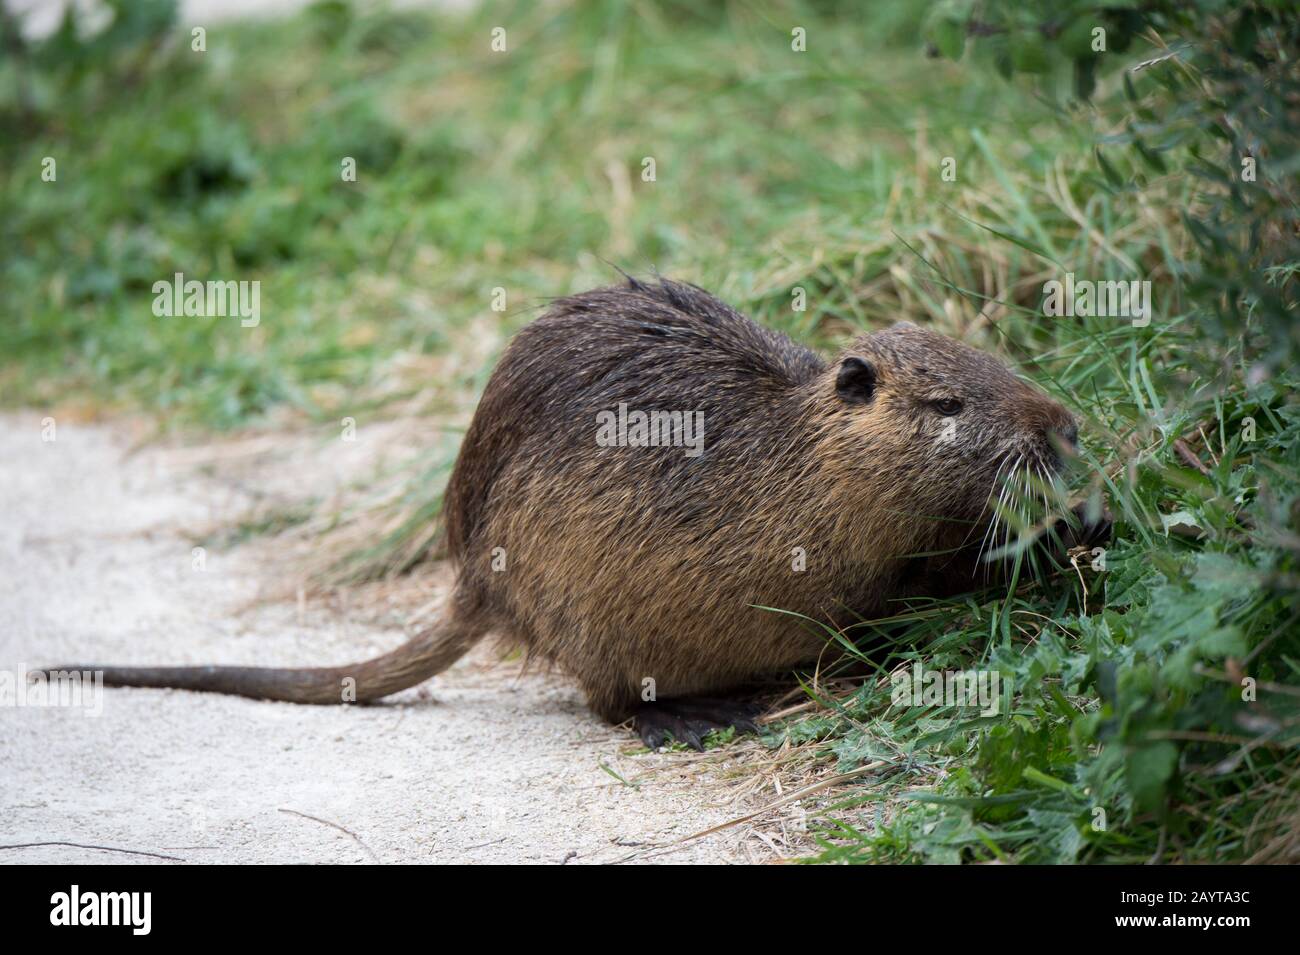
point(662, 346)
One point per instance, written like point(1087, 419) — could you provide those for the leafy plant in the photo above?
point(1162, 723)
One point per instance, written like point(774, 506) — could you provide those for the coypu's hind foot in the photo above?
point(689, 719)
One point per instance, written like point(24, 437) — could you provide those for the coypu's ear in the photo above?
point(856, 382)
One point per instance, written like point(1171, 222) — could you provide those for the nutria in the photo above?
point(642, 561)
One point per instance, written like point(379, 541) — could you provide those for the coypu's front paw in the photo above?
point(689, 719)
point(1085, 531)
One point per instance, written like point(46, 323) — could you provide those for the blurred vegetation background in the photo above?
point(776, 168)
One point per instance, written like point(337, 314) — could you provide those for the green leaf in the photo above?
point(1035, 775)
point(1029, 53)
point(1149, 770)
point(949, 38)
point(1112, 175)
point(1085, 78)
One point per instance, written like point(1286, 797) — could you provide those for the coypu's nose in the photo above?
point(1062, 437)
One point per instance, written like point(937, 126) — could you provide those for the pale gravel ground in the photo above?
point(483, 764)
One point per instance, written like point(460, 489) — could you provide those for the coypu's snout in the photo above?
point(1064, 439)
point(1057, 433)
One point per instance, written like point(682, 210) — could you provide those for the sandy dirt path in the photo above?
point(483, 764)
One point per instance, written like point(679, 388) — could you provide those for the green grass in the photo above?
point(1127, 739)
point(475, 170)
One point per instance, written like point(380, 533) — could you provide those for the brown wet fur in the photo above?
point(627, 564)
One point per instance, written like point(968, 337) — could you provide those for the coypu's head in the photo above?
point(947, 424)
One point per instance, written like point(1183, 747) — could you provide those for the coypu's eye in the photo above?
point(948, 406)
